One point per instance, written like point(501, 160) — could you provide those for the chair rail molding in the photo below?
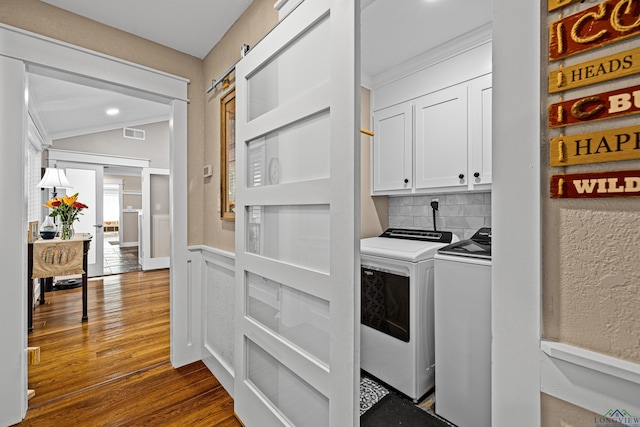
point(588, 379)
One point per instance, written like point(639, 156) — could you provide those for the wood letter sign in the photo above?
point(557, 4)
point(616, 103)
point(596, 147)
point(608, 22)
point(596, 185)
point(599, 70)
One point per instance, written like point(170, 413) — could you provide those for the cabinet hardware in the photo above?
point(406, 181)
point(461, 176)
point(477, 174)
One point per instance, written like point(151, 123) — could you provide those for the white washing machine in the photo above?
point(462, 296)
point(397, 342)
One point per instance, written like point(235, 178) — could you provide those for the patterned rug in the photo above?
point(370, 393)
point(381, 408)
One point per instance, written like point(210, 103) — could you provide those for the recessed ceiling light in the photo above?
point(112, 111)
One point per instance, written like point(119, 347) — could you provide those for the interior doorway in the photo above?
point(21, 54)
point(120, 256)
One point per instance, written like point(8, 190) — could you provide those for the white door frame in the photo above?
point(70, 157)
point(20, 50)
point(516, 277)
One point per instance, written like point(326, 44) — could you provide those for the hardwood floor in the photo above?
point(114, 370)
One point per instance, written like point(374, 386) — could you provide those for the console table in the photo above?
point(85, 238)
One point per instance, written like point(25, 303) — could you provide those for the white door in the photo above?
point(480, 107)
point(155, 225)
point(297, 223)
point(393, 148)
point(87, 180)
point(441, 139)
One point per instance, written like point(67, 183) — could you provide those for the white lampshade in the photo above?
point(54, 178)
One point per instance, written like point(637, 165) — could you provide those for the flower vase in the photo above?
point(66, 231)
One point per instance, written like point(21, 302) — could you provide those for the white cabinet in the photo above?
point(392, 154)
point(441, 139)
point(480, 131)
point(452, 146)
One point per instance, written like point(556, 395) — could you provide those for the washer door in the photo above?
point(385, 302)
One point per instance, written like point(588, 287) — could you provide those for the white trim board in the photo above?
point(588, 379)
point(101, 159)
point(37, 50)
point(515, 200)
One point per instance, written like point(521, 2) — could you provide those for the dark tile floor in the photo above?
point(119, 260)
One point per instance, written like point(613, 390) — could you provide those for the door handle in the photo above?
point(98, 225)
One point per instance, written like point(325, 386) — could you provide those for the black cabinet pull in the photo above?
point(477, 174)
point(406, 180)
point(461, 176)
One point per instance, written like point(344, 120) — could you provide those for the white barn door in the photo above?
point(297, 222)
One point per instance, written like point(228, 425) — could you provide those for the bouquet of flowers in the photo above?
point(67, 208)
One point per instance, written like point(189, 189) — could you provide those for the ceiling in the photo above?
point(67, 109)
point(189, 26)
point(392, 32)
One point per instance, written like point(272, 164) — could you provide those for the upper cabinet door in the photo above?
point(392, 154)
point(480, 126)
point(441, 139)
point(297, 221)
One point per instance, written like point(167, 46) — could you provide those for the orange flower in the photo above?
point(67, 208)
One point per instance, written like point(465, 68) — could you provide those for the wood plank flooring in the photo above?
point(114, 370)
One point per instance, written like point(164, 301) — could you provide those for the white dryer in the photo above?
point(463, 331)
point(397, 335)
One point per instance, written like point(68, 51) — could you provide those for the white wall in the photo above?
point(516, 279)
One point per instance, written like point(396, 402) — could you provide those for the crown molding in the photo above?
point(464, 43)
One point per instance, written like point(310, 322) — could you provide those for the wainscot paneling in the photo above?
point(217, 275)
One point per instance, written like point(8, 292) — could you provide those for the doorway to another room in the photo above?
point(121, 255)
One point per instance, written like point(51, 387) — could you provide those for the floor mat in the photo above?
point(393, 410)
point(370, 393)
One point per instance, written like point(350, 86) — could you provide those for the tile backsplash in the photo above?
point(461, 213)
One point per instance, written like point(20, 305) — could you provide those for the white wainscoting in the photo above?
point(217, 278)
point(590, 380)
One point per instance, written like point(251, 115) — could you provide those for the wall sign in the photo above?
point(596, 185)
point(615, 103)
point(557, 4)
point(599, 70)
point(608, 22)
point(596, 147)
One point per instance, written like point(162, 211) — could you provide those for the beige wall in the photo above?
point(42, 18)
point(557, 413)
point(250, 28)
point(205, 226)
point(257, 21)
point(374, 211)
point(590, 247)
point(154, 148)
